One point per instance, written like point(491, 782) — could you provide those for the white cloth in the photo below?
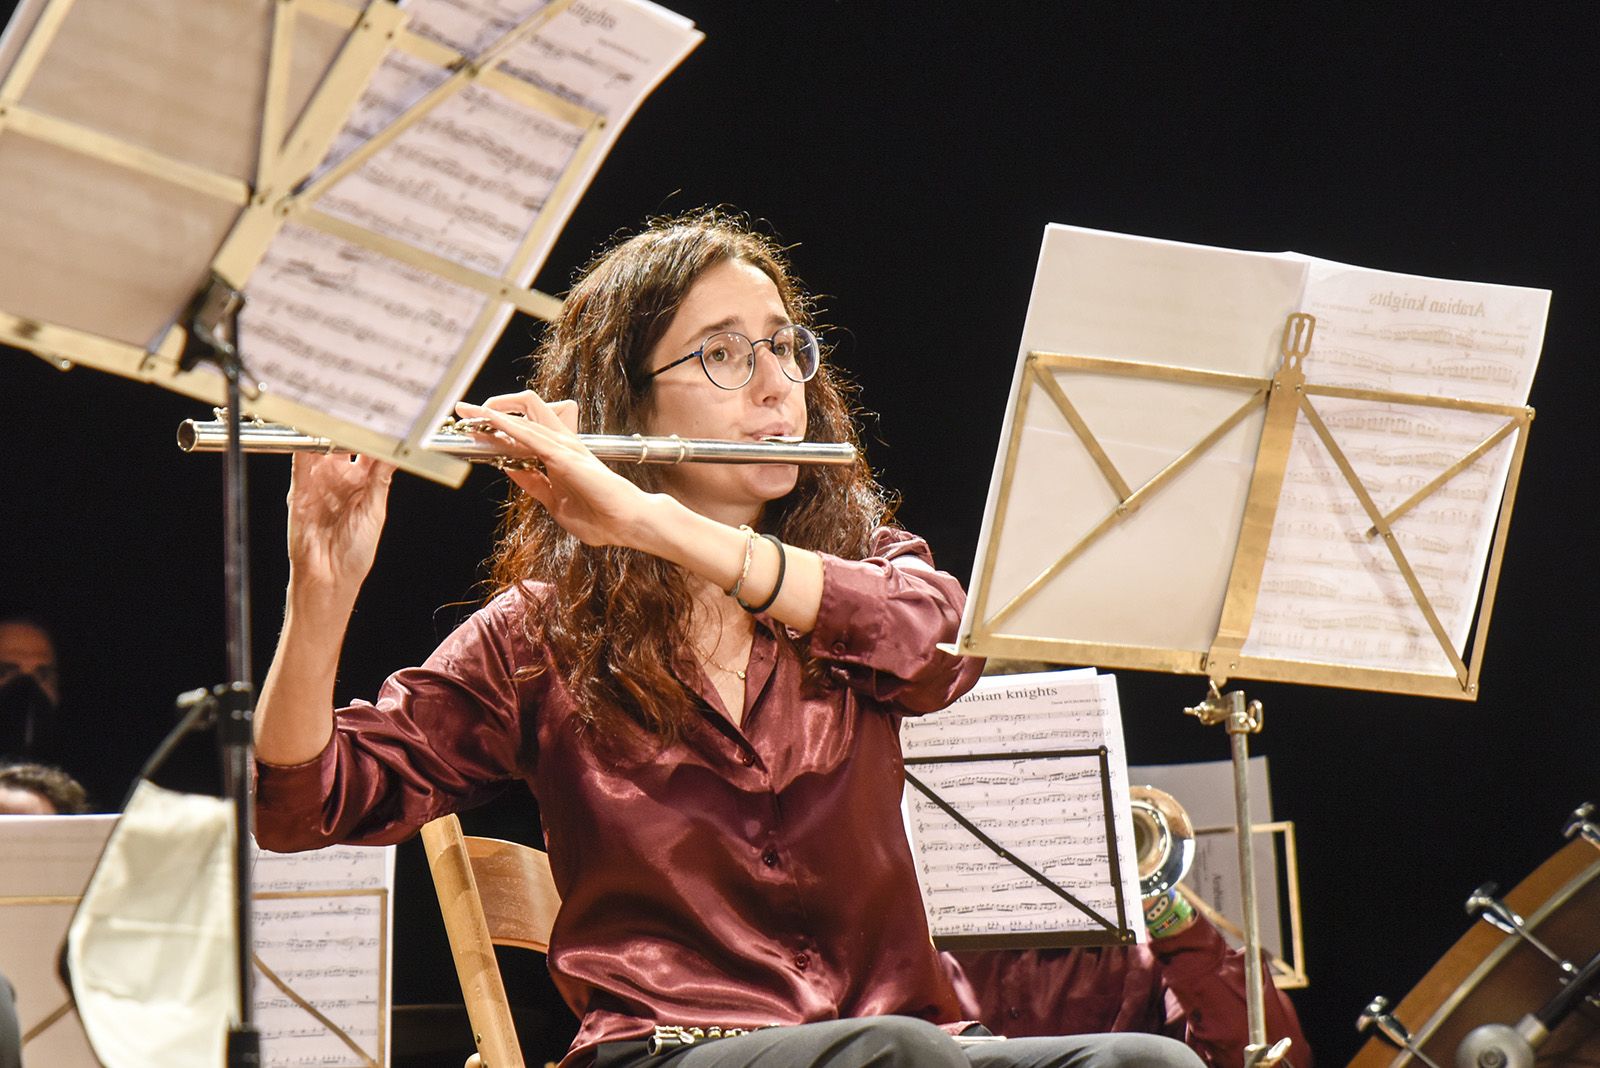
point(151, 946)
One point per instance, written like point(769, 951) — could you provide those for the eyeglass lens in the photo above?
point(730, 358)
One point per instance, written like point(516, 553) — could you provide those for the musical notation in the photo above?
point(314, 332)
point(470, 26)
point(1044, 808)
point(333, 868)
point(365, 337)
point(1331, 589)
point(322, 929)
point(466, 181)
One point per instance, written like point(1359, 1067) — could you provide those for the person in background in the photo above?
point(30, 684)
point(40, 790)
point(1185, 983)
point(10, 1029)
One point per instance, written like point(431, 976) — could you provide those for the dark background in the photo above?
point(914, 157)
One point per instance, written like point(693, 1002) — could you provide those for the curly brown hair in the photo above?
point(614, 620)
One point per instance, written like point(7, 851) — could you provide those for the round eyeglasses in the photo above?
point(729, 358)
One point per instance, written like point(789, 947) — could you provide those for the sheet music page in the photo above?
point(1048, 811)
point(1154, 581)
point(469, 181)
point(351, 331)
point(1157, 579)
point(329, 943)
point(48, 857)
point(1331, 592)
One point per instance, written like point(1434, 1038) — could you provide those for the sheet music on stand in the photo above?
point(1247, 465)
point(483, 181)
point(325, 926)
point(382, 181)
point(1017, 810)
point(1353, 541)
point(326, 923)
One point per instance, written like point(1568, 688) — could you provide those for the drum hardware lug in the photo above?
point(1484, 905)
point(1581, 822)
point(1377, 1017)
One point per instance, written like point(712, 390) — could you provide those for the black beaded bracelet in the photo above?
point(783, 563)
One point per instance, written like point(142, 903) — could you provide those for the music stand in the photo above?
point(1223, 463)
point(171, 170)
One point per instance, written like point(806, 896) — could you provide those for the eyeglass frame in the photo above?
point(699, 354)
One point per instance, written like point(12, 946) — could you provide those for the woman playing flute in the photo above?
point(699, 671)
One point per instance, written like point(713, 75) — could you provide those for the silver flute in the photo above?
point(456, 438)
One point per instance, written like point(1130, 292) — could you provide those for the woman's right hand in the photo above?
point(336, 511)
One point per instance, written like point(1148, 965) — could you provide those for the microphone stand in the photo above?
point(212, 327)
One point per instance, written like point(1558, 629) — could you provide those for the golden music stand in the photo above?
point(1161, 405)
point(127, 188)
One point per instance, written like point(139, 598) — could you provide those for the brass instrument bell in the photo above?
point(1163, 838)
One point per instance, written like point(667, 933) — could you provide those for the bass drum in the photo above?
point(1493, 977)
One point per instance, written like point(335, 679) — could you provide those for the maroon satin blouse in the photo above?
point(741, 877)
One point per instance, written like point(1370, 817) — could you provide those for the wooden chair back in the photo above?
point(491, 893)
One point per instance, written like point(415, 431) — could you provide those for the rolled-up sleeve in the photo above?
point(880, 622)
point(440, 738)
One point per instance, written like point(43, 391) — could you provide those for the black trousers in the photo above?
point(901, 1042)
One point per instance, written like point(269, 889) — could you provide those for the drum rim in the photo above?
point(1442, 1013)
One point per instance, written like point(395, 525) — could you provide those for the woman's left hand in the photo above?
point(591, 502)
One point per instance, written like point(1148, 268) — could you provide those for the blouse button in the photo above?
point(840, 648)
point(747, 759)
point(1014, 1012)
point(770, 858)
point(801, 961)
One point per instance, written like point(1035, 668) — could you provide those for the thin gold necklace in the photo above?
point(739, 672)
